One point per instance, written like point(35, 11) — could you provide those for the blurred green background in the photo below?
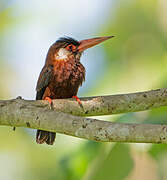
point(135, 60)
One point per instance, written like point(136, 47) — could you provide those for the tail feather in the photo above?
point(45, 137)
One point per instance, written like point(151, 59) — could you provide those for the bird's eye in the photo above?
point(71, 47)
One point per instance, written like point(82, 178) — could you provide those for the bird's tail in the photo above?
point(45, 136)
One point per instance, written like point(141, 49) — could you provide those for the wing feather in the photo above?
point(43, 81)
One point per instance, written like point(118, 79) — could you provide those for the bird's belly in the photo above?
point(66, 80)
point(65, 92)
point(66, 88)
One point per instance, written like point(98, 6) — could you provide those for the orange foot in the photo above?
point(78, 100)
point(49, 100)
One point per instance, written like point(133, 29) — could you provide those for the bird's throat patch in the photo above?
point(62, 54)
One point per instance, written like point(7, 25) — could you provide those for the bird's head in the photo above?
point(68, 48)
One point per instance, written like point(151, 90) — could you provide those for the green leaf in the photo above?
point(157, 150)
point(116, 166)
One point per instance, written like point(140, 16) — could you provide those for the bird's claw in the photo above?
point(49, 100)
point(78, 100)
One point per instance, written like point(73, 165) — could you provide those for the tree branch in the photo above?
point(16, 113)
point(37, 115)
point(113, 104)
point(106, 105)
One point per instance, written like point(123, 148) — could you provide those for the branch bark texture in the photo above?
point(107, 105)
point(37, 115)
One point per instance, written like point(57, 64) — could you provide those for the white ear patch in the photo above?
point(62, 54)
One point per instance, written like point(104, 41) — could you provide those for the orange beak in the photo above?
point(87, 43)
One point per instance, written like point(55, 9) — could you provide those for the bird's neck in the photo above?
point(55, 60)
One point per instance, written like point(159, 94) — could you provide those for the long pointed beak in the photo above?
point(87, 43)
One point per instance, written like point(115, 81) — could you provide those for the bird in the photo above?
point(62, 75)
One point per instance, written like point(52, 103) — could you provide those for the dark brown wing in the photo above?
point(43, 81)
